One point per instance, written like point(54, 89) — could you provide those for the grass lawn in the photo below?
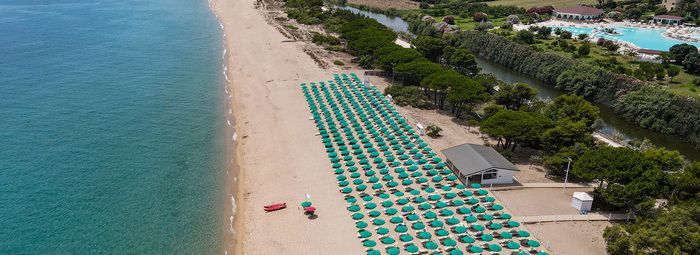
point(538, 3)
point(470, 24)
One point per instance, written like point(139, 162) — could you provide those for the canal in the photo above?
point(612, 122)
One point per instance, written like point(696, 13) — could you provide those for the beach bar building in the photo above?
point(578, 13)
point(647, 55)
point(479, 164)
point(667, 20)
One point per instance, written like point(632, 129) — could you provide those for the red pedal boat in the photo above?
point(275, 207)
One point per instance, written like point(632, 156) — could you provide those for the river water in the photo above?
point(612, 122)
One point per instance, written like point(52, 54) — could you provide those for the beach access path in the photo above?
point(280, 158)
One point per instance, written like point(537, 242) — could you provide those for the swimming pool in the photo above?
point(645, 38)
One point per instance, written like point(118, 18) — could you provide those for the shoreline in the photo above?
point(233, 184)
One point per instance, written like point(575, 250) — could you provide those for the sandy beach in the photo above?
point(278, 154)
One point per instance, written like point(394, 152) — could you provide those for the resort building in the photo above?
point(672, 4)
point(667, 20)
point(479, 164)
point(580, 13)
point(646, 55)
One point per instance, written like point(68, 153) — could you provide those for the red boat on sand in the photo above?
point(275, 207)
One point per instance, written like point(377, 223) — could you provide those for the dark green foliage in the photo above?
point(525, 36)
point(515, 96)
point(515, 127)
point(692, 62)
point(673, 71)
point(415, 71)
point(491, 110)
point(397, 57)
point(464, 62)
point(325, 39)
point(404, 95)
point(679, 51)
point(433, 131)
point(566, 34)
point(584, 50)
point(338, 63)
point(440, 82)
point(366, 62)
point(573, 108)
point(424, 5)
point(611, 46)
point(431, 48)
point(557, 163)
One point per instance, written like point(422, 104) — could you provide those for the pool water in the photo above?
point(645, 38)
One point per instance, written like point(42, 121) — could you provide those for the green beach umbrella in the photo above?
point(378, 186)
point(341, 177)
point(408, 208)
point(482, 192)
point(361, 187)
point(395, 163)
point(476, 249)
point(473, 201)
point(475, 185)
point(402, 201)
point(513, 224)
point(450, 195)
point(424, 180)
point(513, 245)
point(388, 240)
point(382, 231)
point(446, 188)
point(365, 234)
point(425, 206)
point(351, 200)
point(355, 175)
point(437, 223)
point(452, 221)
point(456, 252)
point(429, 189)
point(413, 217)
point(437, 178)
point(533, 243)
point(384, 171)
point(495, 226)
point(495, 247)
point(457, 202)
point(412, 248)
point(346, 190)
point(369, 243)
point(374, 252)
point(434, 197)
point(412, 168)
point(384, 196)
point(506, 235)
point(486, 237)
point(387, 203)
point(354, 208)
point(468, 239)
point(478, 227)
point(431, 245)
point(414, 192)
point(460, 186)
point(430, 215)
point(468, 193)
point(460, 230)
point(393, 251)
point(487, 217)
point(440, 204)
point(449, 242)
point(403, 175)
point(374, 213)
point(489, 199)
point(401, 229)
point(447, 212)
point(419, 199)
point(480, 209)
point(378, 222)
point(542, 253)
point(306, 204)
point(497, 207)
point(505, 216)
point(370, 173)
point(373, 179)
point(442, 232)
point(424, 235)
point(406, 238)
point(417, 174)
point(396, 220)
point(361, 224)
point(358, 181)
point(367, 198)
point(399, 170)
point(391, 211)
point(339, 171)
point(433, 172)
point(418, 226)
point(392, 184)
point(388, 177)
point(523, 233)
point(464, 210)
point(452, 177)
point(358, 216)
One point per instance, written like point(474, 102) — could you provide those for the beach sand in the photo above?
point(280, 158)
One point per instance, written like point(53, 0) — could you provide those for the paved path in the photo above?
point(574, 217)
point(539, 185)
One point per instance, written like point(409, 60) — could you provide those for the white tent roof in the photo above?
point(583, 196)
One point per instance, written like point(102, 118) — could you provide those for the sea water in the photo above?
point(112, 127)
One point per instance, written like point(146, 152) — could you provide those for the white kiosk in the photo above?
point(582, 201)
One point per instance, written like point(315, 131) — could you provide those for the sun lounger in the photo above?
point(532, 250)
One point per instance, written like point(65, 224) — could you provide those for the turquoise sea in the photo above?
point(112, 127)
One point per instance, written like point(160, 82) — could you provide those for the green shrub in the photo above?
point(338, 63)
point(433, 131)
point(409, 95)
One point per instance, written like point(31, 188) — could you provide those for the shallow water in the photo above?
point(112, 131)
